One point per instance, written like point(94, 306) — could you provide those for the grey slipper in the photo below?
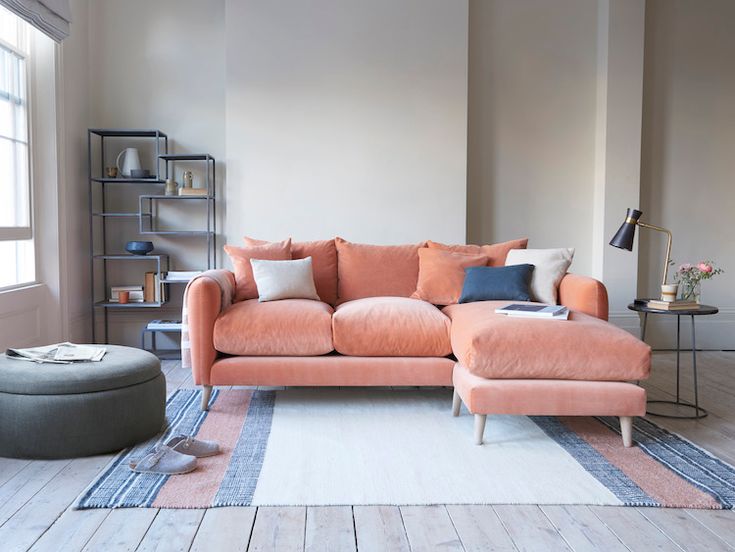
point(164, 461)
point(188, 445)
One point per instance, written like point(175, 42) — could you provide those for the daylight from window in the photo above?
point(17, 256)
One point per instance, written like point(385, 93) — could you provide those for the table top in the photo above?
point(702, 310)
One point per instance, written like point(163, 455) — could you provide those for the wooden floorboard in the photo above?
point(530, 529)
point(379, 528)
point(429, 528)
point(330, 529)
point(122, 530)
point(281, 529)
point(35, 497)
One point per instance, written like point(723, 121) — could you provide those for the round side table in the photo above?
point(703, 310)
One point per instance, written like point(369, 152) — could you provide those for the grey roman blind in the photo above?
point(50, 16)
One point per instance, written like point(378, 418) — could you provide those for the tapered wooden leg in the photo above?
point(206, 395)
point(626, 429)
point(479, 427)
point(456, 403)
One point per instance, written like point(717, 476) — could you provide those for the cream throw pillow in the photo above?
point(284, 279)
point(550, 266)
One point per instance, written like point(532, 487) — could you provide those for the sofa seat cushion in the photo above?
point(290, 327)
point(390, 326)
point(493, 345)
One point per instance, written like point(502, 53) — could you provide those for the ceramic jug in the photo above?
point(131, 161)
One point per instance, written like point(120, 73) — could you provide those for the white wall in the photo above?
point(688, 154)
point(347, 117)
point(532, 90)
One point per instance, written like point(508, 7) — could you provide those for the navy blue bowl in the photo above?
point(139, 247)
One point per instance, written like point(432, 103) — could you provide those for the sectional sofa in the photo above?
point(368, 331)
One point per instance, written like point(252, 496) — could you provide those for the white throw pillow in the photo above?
point(284, 279)
point(550, 266)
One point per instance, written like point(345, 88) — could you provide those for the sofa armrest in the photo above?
point(203, 304)
point(584, 294)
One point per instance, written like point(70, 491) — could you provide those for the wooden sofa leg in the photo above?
point(626, 430)
point(456, 404)
point(206, 395)
point(479, 427)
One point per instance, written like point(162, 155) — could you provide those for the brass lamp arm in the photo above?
point(667, 260)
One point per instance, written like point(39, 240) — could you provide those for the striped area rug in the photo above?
point(368, 446)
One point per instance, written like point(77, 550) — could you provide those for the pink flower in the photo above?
point(704, 267)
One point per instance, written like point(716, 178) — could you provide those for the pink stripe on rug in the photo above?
point(655, 479)
point(223, 424)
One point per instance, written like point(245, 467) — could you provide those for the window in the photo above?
point(17, 254)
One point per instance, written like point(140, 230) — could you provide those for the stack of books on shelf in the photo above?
point(671, 305)
point(165, 325)
point(136, 294)
point(193, 191)
point(153, 290)
point(182, 276)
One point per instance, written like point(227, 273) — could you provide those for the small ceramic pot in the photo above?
point(668, 292)
point(123, 297)
point(111, 172)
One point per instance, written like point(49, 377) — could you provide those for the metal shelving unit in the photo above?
point(101, 260)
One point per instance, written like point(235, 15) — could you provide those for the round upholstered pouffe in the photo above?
point(80, 409)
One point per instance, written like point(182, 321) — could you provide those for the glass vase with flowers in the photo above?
point(689, 277)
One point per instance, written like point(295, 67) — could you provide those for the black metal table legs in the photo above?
point(699, 412)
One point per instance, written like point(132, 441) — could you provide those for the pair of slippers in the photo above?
point(177, 456)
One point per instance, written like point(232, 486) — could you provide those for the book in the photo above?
point(672, 305)
point(169, 325)
point(149, 287)
point(550, 312)
point(192, 191)
point(181, 275)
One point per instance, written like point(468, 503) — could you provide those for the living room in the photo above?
point(295, 228)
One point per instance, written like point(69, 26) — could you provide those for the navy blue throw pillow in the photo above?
point(488, 283)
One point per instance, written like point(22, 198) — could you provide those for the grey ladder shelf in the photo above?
point(102, 261)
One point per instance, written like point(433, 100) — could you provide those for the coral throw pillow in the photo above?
point(366, 270)
point(323, 255)
point(496, 253)
point(245, 287)
point(441, 275)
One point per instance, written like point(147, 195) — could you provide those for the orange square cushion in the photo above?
point(323, 255)
point(441, 275)
point(496, 253)
point(376, 270)
point(390, 327)
point(245, 287)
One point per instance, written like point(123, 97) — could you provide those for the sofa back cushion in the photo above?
point(376, 270)
point(442, 274)
point(323, 255)
point(496, 252)
point(245, 287)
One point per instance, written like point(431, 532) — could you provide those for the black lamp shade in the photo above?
point(623, 238)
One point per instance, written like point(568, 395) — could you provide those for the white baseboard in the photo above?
point(714, 332)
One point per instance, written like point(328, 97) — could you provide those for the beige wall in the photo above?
point(688, 153)
point(347, 117)
point(531, 151)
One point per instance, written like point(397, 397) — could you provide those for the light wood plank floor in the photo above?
point(35, 498)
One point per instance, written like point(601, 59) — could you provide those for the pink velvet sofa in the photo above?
point(370, 332)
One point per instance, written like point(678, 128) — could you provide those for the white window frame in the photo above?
point(17, 233)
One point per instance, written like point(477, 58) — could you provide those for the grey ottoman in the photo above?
point(69, 410)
